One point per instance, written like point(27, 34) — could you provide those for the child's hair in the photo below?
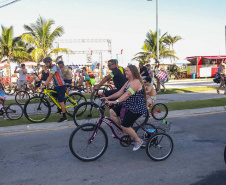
point(148, 79)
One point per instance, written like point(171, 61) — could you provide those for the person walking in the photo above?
point(223, 77)
point(151, 73)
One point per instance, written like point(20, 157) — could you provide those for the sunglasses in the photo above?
point(110, 65)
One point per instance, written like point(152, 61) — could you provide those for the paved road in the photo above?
point(43, 157)
point(190, 84)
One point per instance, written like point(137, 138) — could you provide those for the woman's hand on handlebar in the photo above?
point(111, 103)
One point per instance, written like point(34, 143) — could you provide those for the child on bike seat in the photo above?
point(150, 91)
point(2, 97)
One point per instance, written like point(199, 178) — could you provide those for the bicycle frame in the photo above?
point(48, 92)
point(109, 121)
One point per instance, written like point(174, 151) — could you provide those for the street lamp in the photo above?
point(157, 29)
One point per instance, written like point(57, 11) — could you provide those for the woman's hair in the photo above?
point(136, 75)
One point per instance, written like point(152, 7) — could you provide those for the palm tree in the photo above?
point(150, 46)
point(169, 40)
point(142, 57)
point(39, 35)
point(9, 50)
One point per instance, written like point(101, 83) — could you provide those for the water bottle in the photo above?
point(151, 130)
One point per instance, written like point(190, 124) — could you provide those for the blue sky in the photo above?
point(201, 23)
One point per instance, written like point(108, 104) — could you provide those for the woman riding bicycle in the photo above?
point(36, 82)
point(133, 101)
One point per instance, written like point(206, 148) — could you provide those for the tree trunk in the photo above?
point(8, 70)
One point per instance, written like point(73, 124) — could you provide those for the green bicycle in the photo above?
point(38, 109)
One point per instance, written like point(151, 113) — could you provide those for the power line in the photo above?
point(4, 1)
point(9, 3)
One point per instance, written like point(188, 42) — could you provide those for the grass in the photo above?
point(196, 104)
point(188, 90)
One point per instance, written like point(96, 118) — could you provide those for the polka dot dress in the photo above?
point(136, 103)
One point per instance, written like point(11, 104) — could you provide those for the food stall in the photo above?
point(204, 66)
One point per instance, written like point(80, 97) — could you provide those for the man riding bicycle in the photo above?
point(59, 85)
point(118, 78)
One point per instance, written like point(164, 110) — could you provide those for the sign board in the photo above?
point(191, 69)
point(205, 72)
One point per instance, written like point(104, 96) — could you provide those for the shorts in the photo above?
point(60, 95)
point(129, 118)
point(151, 99)
point(21, 83)
point(68, 83)
point(88, 83)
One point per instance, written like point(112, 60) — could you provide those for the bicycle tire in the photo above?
point(87, 130)
point(158, 142)
point(42, 112)
point(159, 111)
point(21, 97)
point(85, 113)
point(14, 111)
point(78, 97)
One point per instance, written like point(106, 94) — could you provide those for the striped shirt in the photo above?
point(57, 77)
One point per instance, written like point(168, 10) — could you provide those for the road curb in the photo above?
point(70, 124)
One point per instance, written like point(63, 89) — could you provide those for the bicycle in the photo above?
point(89, 137)
point(159, 111)
point(23, 95)
point(13, 111)
point(38, 109)
point(89, 111)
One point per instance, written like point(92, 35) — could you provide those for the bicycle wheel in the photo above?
point(14, 111)
point(21, 97)
point(159, 147)
point(87, 146)
point(70, 105)
point(86, 112)
point(159, 111)
point(37, 109)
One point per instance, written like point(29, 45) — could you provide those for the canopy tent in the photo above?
point(3, 65)
point(29, 63)
point(182, 62)
point(214, 57)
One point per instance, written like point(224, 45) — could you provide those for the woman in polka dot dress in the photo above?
point(131, 98)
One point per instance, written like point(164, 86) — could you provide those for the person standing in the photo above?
point(151, 73)
point(67, 75)
point(45, 75)
point(87, 79)
point(59, 85)
point(223, 77)
point(22, 77)
point(104, 72)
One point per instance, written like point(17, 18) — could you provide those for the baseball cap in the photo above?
point(60, 62)
point(115, 60)
point(47, 59)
